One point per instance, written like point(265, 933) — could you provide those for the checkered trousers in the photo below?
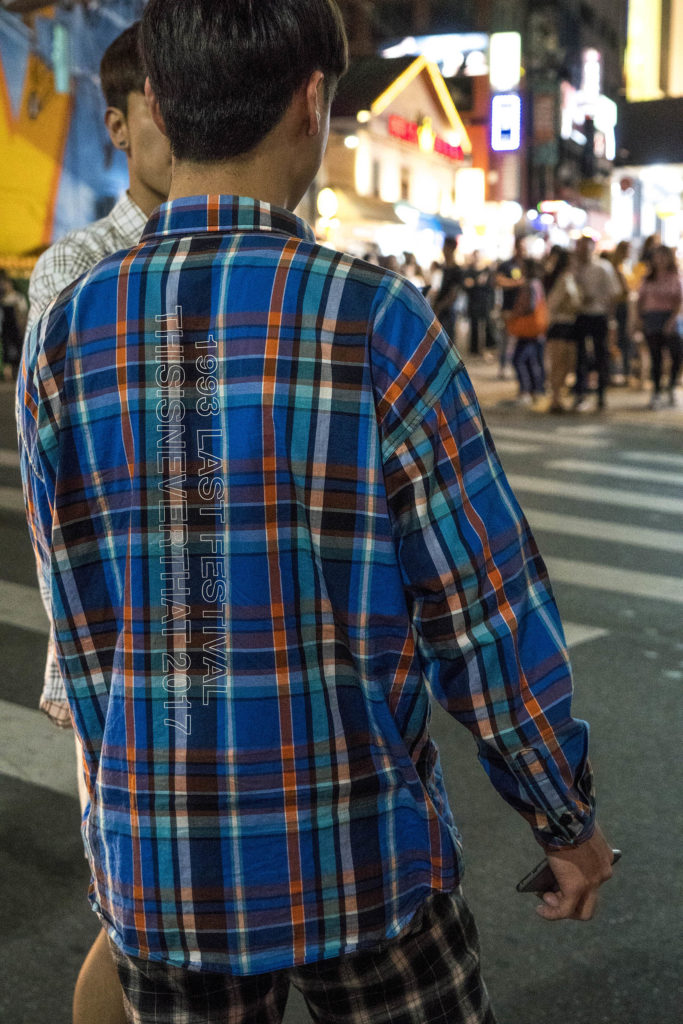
point(429, 974)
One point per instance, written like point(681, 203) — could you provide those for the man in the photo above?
point(450, 287)
point(510, 278)
point(480, 291)
point(260, 487)
point(132, 130)
point(599, 289)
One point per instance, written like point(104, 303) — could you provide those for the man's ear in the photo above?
point(315, 102)
point(117, 127)
point(154, 108)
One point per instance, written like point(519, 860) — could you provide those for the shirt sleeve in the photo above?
point(488, 631)
point(37, 414)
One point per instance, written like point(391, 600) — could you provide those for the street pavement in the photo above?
point(604, 494)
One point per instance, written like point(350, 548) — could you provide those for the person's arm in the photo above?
point(677, 297)
point(37, 413)
point(487, 626)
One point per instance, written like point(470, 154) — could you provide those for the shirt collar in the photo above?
point(127, 214)
point(222, 214)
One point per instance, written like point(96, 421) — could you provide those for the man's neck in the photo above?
point(144, 197)
point(260, 179)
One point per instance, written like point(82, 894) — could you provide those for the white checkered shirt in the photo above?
point(60, 265)
point(79, 251)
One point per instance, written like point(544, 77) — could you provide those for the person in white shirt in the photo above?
point(131, 129)
point(599, 289)
point(564, 303)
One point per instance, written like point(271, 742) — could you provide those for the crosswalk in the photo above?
point(608, 517)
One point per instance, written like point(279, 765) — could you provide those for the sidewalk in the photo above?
point(624, 404)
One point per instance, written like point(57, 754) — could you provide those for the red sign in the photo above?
point(408, 131)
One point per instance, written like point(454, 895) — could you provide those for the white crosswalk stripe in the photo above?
point(656, 458)
point(605, 530)
point(593, 493)
point(34, 751)
point(22, 606)
point(544, 438)
point(623, 472)
point(11, 499)
point(9, 458)
point(619, 581)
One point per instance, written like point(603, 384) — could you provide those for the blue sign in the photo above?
point(506, 122)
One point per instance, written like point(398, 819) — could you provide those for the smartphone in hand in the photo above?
point(541, 879)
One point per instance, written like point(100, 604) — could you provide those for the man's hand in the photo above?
point(580, 871)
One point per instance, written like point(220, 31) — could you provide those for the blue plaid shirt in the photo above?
point(272, 521)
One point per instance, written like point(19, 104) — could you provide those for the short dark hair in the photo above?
point(122, 69)
point(225, 71)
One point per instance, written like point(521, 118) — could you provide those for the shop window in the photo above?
point(405, 184)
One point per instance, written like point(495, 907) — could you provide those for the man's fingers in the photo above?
point(557, 906)
point(569, 906)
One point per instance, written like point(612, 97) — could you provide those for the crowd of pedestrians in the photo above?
point(571, 325)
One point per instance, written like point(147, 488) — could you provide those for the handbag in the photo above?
point(533, 324)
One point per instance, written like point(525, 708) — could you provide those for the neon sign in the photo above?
point(506, 122)
point(422, 136)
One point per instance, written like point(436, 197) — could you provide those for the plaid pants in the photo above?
point(429, 974)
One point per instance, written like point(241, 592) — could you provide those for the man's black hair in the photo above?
point(122, 70)
point(225, 71)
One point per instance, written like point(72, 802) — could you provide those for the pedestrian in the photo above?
point(621, 310)
point(450, 288)
point(413, 271)
point(130, 127)
point(509, 280)
point(528, 323)
point(659, 303)
point(599, 288)
point(262, 493)
point(479, 289)
point(131, 130)
point(13, 309)
point(564, 302)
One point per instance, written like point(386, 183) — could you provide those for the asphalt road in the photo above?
point(605, 496)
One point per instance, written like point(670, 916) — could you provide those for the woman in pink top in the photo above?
point(659, 303)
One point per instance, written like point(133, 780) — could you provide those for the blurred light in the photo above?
point(426, 137)
point(643, 50)
point(531, 215)
point(512, 211)
point(363, 170)
point(328, 203)
point(547, 218)
point(408, 214)
point(351, 142)
point(591, 83)
point(670, 207)
point(505, 61)
point(470, 191)
point(506, 122)
point(363, 116)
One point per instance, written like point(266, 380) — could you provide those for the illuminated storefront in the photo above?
point(398, 161)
